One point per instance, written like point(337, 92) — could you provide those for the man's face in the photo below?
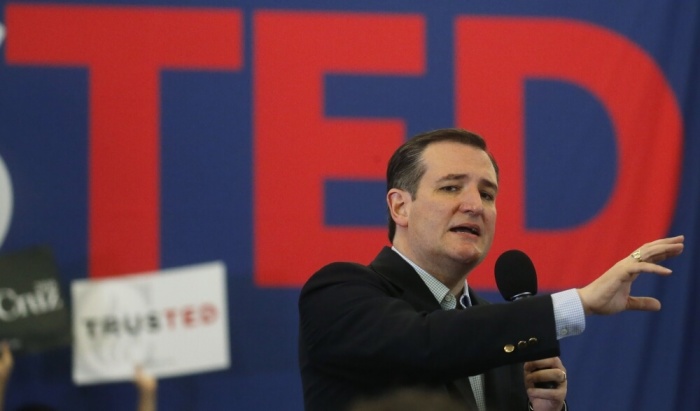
point(452, 218)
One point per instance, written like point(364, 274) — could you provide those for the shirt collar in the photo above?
point(439, 290)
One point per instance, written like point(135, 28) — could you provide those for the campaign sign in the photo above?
point(171, 322)
point(33, 315)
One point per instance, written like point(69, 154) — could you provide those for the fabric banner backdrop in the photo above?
point(173, 323)
point(142, 136)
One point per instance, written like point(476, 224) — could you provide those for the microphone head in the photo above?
point(515, 275)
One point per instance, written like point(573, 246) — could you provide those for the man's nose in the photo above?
point(471, 202)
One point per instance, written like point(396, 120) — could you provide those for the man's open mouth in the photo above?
point(471, 229)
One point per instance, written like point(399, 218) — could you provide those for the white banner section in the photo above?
point(171, 322)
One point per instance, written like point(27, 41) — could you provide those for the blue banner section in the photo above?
point(564, 162)
point(127, 145)
point(347, 195)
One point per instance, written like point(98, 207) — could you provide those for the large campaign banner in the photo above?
point(141, 136)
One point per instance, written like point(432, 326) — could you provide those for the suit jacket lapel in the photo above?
point(412, 289)
point(410, 286)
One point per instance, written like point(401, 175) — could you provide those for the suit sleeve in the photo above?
point(351, 319)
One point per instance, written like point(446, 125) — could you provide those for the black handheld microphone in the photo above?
point(516, 278)
point(515, 275)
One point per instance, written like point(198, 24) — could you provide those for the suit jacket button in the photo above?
point(532, 341)
point(522, 344)
point(509, 348)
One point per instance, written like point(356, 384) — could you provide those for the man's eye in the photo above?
point(450, 188)
point(487, 196)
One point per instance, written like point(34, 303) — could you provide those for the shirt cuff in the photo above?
point(569, 317)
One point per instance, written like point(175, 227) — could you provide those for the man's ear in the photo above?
point(399, 202)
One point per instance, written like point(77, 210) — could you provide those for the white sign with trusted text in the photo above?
point(170, 322)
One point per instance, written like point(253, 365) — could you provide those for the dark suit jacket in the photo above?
point(367, 330)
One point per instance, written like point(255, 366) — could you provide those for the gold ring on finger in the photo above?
point(637, 255)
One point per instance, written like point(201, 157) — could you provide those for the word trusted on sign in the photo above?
point(172, 323)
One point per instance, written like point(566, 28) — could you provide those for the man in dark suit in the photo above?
point(409, 319)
